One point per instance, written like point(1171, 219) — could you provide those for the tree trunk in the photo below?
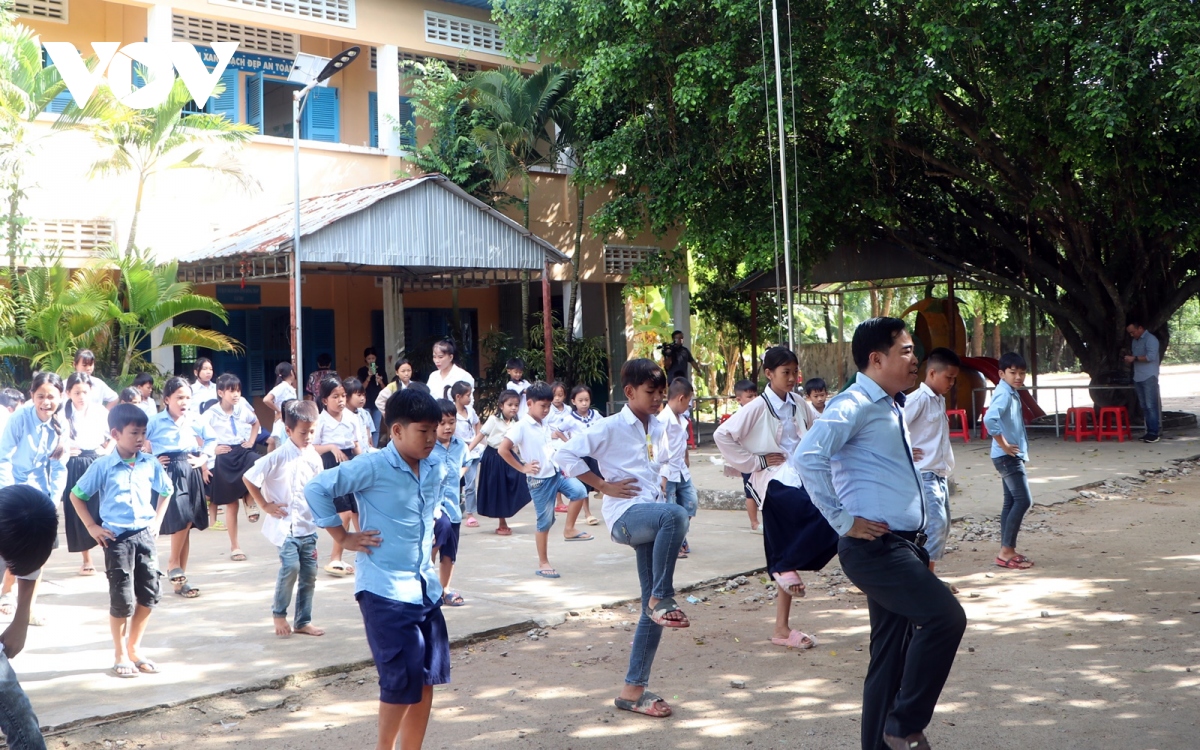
point(525, 283)
point(977, 335)
point(828, 327)
point(874, 301)
point(996, 340)
point(888, 296)
point(137, 210)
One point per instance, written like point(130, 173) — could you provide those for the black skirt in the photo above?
point(502, 489)
point(78, 538)
point(187, 501)
point(227, 486)
point(341, 503)
point(795, 534)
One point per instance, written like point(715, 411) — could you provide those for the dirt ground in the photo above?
point(1096, 647)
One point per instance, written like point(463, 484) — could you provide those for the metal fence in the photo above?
point(1069, 402)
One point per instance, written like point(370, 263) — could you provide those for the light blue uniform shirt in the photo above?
point(451, 459)
point(191, 435)
point(127, 502)
point(1005, 417)
point(1145, 346)
point(25, 452)
point(399, 505)
point(856, 461)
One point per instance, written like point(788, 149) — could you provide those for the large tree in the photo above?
point(1047, 151)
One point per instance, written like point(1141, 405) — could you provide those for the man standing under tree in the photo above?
point(677, 357)
point(858, 467)
point(1144, 357)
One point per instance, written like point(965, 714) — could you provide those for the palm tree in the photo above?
point(148, 142)
point(521, 110)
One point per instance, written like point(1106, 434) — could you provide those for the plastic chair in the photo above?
point(1081, 423)
point(1114, 422)
point(964, 430)
point(983, 433)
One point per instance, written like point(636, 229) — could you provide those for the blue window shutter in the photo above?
point(254, 101)
point(373, 119)
point(139, 80)
point(318, 337)
point(408, 124)
point(230, 362)
point(321, 116)
point(256, 376)
point(227, 103)
point(59, 103)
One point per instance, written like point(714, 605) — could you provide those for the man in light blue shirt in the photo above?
point(857, 464)
point(1144, 356)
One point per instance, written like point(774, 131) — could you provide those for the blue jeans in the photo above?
point(17, 719)
point(655, 531)
point(297, 561)
point(683, 493)
point(545, 490)
point(937, 514)
point(1147, 394)
point(1017, 497)
point(469, 481)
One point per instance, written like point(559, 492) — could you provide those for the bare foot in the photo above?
point(282, 628)
point(310, 629)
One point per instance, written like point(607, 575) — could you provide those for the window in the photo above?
point(50, 10)
point(269, 108)
point(339, 12)
point(406, 122)
point(76, 239)
point(623, 259)
point(463, 33)
point(249, 38)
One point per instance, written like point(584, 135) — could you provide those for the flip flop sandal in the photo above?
point(551, 573)
point(1015, 563)
point(237, 556)
point(145, 666)
point(787, 580)
point(187, 591)
point(582, 536)
point(176, 575)
point(252, 514)
point(87, 570)
point(664, 608)
point(124, 670)
point(217, 525)
point(506, 531)
point(337, 568)
point(452, 599)
point(593, 521)
point(796, 639)
point(561, 509)
point(646, 705)
point(471, 522)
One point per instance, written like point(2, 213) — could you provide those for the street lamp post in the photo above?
point(335, 65)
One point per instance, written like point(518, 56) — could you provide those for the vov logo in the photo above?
point(161, 61)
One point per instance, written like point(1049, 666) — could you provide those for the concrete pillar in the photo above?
point(393, 322)
point(566, 311)
point(681, 297)
point(387, 87)
point(158, 24)
point(164, 358)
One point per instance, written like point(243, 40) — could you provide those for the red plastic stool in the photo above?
point(1114, 422)
point(983, 433)
point(1081, 423)
point(964, 431)
point(691, 435)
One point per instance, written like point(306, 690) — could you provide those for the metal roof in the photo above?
point(416, 226)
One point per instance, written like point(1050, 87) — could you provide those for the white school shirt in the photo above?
point(464, 426)
point(101, 393)
point(283, 392)
point(573, 424)
point(929, 430)
point(91, 428)
point(282, 476)
point(366, 429)
point(520, 386)
point(532, 441)
point(624, 449)
point(233, 428)
point(148, 407)
point(341, 434)
point(555, 418)
point(437, 384)
point(202, 394)
point(675, 467)
point(495, 429)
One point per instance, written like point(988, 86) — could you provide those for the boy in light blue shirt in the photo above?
point(397, 588)
point(450, 452)
point(134, 491)
point(1005, 422)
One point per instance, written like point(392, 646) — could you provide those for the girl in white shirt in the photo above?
point(578, 420)
point(502, 489)
point(284, 390)
point(758, 439)
point(204, 390)
point(336, 440)
point(466, 429)
point(88, 439)
point(447, 373)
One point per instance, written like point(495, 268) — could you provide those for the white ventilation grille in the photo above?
point(49, 10)
point(463, 33)
point(249, 38)
point(339, 12)
point(460, 67)
point(76, 239)
point(620, 260)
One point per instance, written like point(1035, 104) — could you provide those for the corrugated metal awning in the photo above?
point(422, 228)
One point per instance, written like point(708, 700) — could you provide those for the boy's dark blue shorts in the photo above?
point(746, 487)
point(445, 537)
point(409, 643)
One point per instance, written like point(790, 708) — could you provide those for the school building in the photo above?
point(388, 260)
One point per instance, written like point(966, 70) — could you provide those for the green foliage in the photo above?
point(442, 100)
point(576, 361)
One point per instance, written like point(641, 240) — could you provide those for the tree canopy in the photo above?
point(1045, 151)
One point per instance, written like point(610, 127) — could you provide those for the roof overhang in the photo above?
point(868, 261)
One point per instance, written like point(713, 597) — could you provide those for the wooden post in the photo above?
point(547, 323)
point(754, 336)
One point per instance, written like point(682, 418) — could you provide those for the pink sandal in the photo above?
point(790, 579)
point(796, 639)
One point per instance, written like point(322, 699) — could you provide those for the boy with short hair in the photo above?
point(450, 452)
point(144, 383)
point(28, 531)
point(746, 391)
point(398, 489)
point(816, 393)
point(134, 492)
point(677, 478)
point(515, 368)
point(531, 437)
point(276, 482)
point(1005, 422)
point(929, 437)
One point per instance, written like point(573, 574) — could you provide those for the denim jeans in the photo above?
point(1017, 497)
point(683, 493)
point(17, 719)
point(937, 514)
point(544, 491)
point(469, 481)
point(1147, 394)
point(655, 531)
point(297, 561)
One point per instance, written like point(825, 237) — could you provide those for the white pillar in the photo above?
point(158, 24)
point(387, 87)
point(393, 321)
point(681, 296)
point(566, 311)
point(164, 358)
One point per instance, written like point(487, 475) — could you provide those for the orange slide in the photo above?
point(990, 369)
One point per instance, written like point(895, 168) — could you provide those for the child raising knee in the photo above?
point(276, 482)
point(677, 478)
point(746, 391)
point(450, 453)
point(929, 436)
